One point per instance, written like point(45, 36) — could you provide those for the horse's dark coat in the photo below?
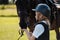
point(31, 18)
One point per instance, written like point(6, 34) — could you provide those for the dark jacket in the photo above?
point(45, 35)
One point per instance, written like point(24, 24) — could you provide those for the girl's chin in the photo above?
point(38, 20)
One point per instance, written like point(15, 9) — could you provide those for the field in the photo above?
point(9, 29)
point(9, 26)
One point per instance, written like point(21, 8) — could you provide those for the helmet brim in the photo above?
point(34, 10)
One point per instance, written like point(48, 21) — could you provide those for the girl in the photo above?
point(41, 30)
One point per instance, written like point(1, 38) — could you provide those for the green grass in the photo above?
point(7, 6)
point(8, 12)
point(9, 29)
point(52, 35)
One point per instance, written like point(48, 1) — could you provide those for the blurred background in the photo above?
point(9, 22)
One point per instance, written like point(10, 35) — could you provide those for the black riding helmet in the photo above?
point(44, 9)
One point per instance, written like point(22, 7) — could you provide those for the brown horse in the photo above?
point(55, 24)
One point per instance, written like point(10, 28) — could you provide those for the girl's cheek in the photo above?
point(36, 17)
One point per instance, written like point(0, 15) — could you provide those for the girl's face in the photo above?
point(38, 16)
